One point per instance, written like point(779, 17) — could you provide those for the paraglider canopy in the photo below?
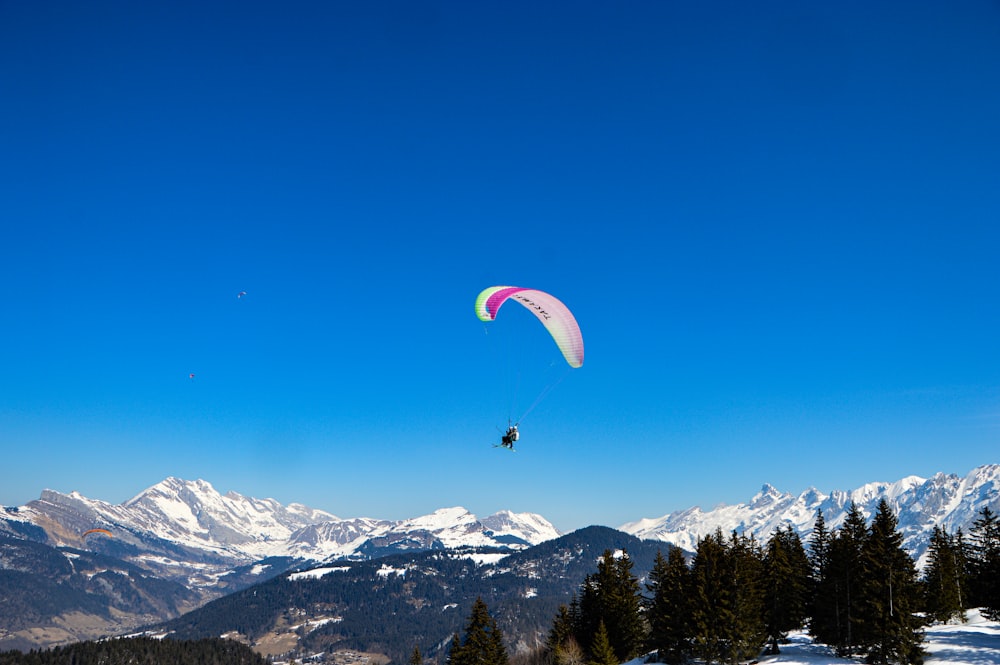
point(554, 315)
point(89, 531)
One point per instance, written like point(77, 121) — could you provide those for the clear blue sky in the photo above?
point(777, 223)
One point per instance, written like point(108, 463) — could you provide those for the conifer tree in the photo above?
point(625, 607)
point(668, 608)
point(746, 634)
point(823, 591)
point(416, 658)
point(561, 631)
point(601, 651)
point(561, 646)
point(844, 629)
point(575, 618)
point(483, 641)
point(944, 578)
point(711, 599)
point(890, 592)
point(985, 535)
point(612, 596)
point(819, 546)
point(455, 650)
point(786, 585)
point(590, 612)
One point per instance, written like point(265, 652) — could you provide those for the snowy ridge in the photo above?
point(193, 516)
point(944, 500)
point(531, 527)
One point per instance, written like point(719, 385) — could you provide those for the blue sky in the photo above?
point(777, 224)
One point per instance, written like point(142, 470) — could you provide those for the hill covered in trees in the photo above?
point(140, 651)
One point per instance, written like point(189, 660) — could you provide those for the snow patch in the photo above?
point(484, 558)
point(385, 571)
point(316, 573)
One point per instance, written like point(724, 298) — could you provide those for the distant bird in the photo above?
point(190, 376)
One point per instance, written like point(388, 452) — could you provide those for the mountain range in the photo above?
point(945, 500)
point(181, 544)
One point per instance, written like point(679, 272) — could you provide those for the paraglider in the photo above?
point(554, 315)
point(191, 376)
point(558, 321)
point(240, 294)
point(90, 531)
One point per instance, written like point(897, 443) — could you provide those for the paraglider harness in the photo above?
point(509, 437)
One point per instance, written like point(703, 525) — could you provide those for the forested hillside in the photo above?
point(140, 651)
point(396, 603)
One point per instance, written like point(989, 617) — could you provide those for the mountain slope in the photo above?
point(55, 596)
point(391, 604)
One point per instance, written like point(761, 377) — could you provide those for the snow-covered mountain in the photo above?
point(180, 543)
point(179, 519)
point(920, 504)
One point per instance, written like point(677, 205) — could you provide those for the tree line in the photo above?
point(140, 651)
point(853, 588)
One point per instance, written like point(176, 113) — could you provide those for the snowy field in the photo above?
point(974, 643)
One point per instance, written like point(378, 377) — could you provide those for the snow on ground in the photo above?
point(976, 642)
point(385, 571)
point(481, 558)
point(317, 572)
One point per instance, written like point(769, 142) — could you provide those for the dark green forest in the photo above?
point(140, 651)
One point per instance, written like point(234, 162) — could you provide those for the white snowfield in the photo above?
point(974, 643)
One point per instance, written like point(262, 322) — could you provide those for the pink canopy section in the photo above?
point(554, 315)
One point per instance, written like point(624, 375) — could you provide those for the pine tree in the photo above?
point(943, 578)
point(561, 645)
point(711, 599)
point(416, 658)
point(964, 565)
point(483, 642)
point(823, 589)
point(625, 606)
point(455, 651)
point(561, 631)
point(746, 633)
point(842, 628)
point(590, 612)
point(601, 651)
point(890, 593)
point(986, 562)
point(786, 585)
point(668, 608)
point(612, 596)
